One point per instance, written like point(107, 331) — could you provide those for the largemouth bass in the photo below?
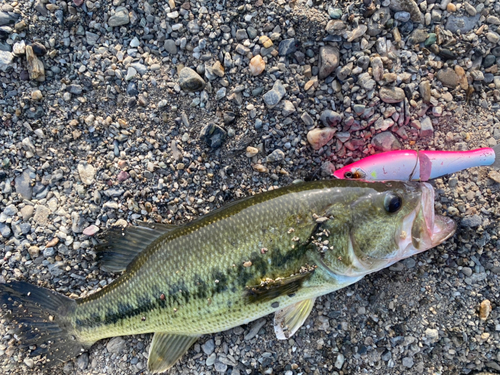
point(271, 253)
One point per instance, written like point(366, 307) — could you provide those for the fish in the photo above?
point(273, 252)
point(410, 165)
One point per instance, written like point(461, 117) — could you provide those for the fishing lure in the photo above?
point(404, 165)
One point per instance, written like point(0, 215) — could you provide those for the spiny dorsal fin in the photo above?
point(271, 289)
point(288, 320)
point(166, 349)
point(122, 245)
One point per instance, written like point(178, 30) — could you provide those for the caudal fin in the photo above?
point(42, 320)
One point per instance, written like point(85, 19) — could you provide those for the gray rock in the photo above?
point(287, 46)
point(472, 221)
point(23, 185)
point(426, 128)
point(75, 89)
point(462, 23)
point(6, 58)
point(8, 18)
point(330, 118)
point(276, 155)
point(119, 18)
point(273, 96)
point(140, 68)
point(241, 34)
point(256, 326)
point(377, 21)
point(213, 135)
point(408, 362)
point(91, 38)
point(83, 361)
point(448, 77)
point(418, 36)
point(55, 269)
point(365, 81)
point(77, 222)
point(328, 61)
point(220, 367)
point(41, 216)
point(27, 212)
point(190, 81)
point(386, 141)
point(402, 16)
point(409, 6)
point(392, 94)
point(170, 46)
point(40, 8)
point(5, 230)
point(208, 347)
point(116, 345)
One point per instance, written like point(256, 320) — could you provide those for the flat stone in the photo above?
point(287, 46)
point(448, 77)
point(190, 81)
point(385, 141)
point(170, 46)
point(273, 97)
point(462, 23)
point(328, 61)
point(23, 185)
point(6, 58)
point(119, 18)
point(208, 347)
point(472, 221)
point(36, 69)
point(392, 94)
point(254, 329)
point(116, 345)
point(91, 37)
point(41, 216)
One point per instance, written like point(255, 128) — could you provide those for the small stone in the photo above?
point(330, 118)
point(27, 212)
point(328, 61)
point(131, 72)
point(251, 152)
point(29, 362)
point(385, 141)
point(448, 77)
point(426, 128)
point(190, 81)
point(23, 185)
point(36, 95)
point(41, 215)
point(408, 362)
point(91, 37)
point(273, 97)
point(254, 329)
point(377, 69)
point(19, 48)
point(317, 138)
point(339, 361)
point(493, 37)
point(392, 94)
point(257, 65)
point(472, 221)
point(460, 23)
point(119, 18)
point(402, 16)
point(208, 347)
point(91, 230)
point(276, 155)
point(116, 345)
point(357, 33)
point(287, 47)
point(485, 309)
point(407, 6)
point(213, 135)
point(36, 69)
point(218, 69)
point(495, 176)
point(266, 41)
point(431, 335)
point(87, 173)
point(425, 91)
point(451, 8)
point(467, 271)
point(469, 9)
point(418, 36)
point(83, 361)
point(6, 59)
point(170, 46)
point(288, 108)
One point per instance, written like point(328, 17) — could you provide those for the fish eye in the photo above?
point(348, 175)
point(392, 203)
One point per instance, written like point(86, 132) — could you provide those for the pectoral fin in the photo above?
point(166, 349)
point(288, 320)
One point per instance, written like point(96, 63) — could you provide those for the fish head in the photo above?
point(392, 221)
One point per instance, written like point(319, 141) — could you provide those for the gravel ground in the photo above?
point(163, 110)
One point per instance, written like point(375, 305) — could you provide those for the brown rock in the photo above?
point(448, 77)
point(36, 69)
point(485, 309)
point(328, 61)
point(317, 138)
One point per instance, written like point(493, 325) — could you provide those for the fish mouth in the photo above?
point(438, 228)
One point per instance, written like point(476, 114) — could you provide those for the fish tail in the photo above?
point(42, 321)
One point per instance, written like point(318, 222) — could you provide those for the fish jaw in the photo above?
point(423, 229)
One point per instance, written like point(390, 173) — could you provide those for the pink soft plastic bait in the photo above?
point(407, 165)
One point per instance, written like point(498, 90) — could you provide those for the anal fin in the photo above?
point(288, 320)
point(166, 349)
point(122, 245)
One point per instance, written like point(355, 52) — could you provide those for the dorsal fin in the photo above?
point(166, 349)
point(122, 245)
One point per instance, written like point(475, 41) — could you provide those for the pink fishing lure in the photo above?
point(407, 165)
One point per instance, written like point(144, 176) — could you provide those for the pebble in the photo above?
point(495, 176)
point(116, 345)
point(36, 69)
point(87, 173)
point(317, 138)
point(339, 362)
point(330, 118)
point(213, 135)
point(448, 77)
point(91, 230)
point(485, 309)
point(462, 24)
point(119, 18)
point(426, 128)
point(257, 65)
point(23, 185)
point(254, 329)
point(328, 61)
point(472, 221)
point(392, 94)
point(208, 347)
point(6, 58)
point(274, 96)
point(287, 47)
point(431, 335)
point(386, 141)
point(190, 81)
